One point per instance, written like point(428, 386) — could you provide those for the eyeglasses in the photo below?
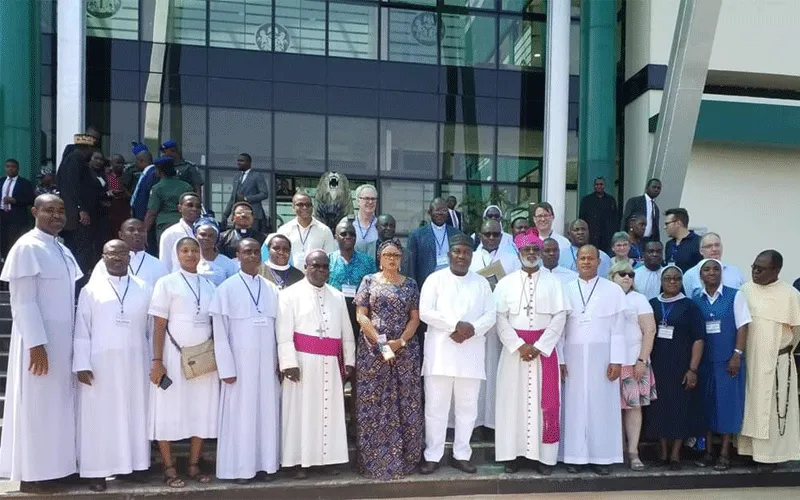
point(712, 245)
point(368, 199)
point(666, 224)
point(391, 255)
point(542, 217)
point(672, 278)
point(626, 274)
point(492, 234)
point(302, 204)
point(493, 216)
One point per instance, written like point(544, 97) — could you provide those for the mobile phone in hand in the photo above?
point(165, 382)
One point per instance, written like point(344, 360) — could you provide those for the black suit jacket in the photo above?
point(24, 195)
point(636, 205)
point(254, 189)
point(460, 218)
point(422, 252)
point(77, 185)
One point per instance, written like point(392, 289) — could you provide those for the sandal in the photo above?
point(723, 464)
point(172, 479)
point(707, 460)
point(195, 475)
point(636, 463)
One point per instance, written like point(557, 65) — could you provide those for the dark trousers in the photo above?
point(80, 242)
point(10, 231)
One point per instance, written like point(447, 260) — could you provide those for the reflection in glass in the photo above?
point(240, 24)
point(353, 31)
point(521, 43)
point(221, 185)
point(181, 22)
point(479, 4)
point(111, 18)
point(235, 131)
point(408, 149)
point(469, 40)
point(407, 201)
point(123, 127)
point(430, 3)
point(48, 133)
point(409, 36)
point(467, 152)
point(286, 187)
point(299, 27)
point(186, 125)
point(299, 142)
point(519, 154)
point(352, 144)
point(535, 6)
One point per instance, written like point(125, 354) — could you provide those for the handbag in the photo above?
point(196, 360)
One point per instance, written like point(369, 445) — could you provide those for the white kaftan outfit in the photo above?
point(594, 338)
point(246, 348)
point(535, 302)
point(142, 265)
point(111, 341)
point(449, 367)
point(648, 282)
point(38, 439)
point(188, 408)
point(167, 251)
point(313, 419)
point(481, 258)
point(314, 237)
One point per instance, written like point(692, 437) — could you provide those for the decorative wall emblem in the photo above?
point(265, 32)
point(103, 9)
point(425, 28)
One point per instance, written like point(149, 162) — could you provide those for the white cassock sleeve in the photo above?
point(287, 355)
point(26, 311)
point(508, 336)
point(82, 341)
point(617, 355)
point(226, 366)
point(440, 320)
point(489, 317)
point(551, 337)
point(348, 339)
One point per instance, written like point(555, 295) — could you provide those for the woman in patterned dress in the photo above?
point(389, 414)
point(637, 385)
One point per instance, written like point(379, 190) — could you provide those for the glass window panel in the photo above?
point(353, 31)
point(572, 157)
point(300, 27)
point(184, 124)
point(48, 16)
point(124, 128)
point(519, 154)
point(521, 43)
point(409, 36)
point(352, 144)
point(469, 40)
point(240, 24)
point(221, 185)
point(407, 201)
point(429, 3)
point(48, 145)
point(575, 48)
point(235, 131)
point(113, 19)
point(286, 187)
point(299, 142)
point(467, 152)
point(184, 23)
point(408, 148)
point(478, 4)
point(535, 6)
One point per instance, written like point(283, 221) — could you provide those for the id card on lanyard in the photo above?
point(665, 331)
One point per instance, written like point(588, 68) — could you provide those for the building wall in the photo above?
point(749, 196)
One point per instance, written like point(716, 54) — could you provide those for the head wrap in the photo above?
point(391, 242)
point(138, 147)
point(205, 221)
point(704, 262)
point(680, 295)
point(47, 170)
point(267, 243)
point(168, 144)
point(85, 140)
point(460, 239)
point(528, 238)
point(489, 208)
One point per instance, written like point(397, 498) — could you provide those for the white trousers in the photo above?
point(438, 393)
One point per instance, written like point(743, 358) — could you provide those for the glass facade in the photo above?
point(419, 97)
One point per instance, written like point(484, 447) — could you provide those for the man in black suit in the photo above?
point(599, 210)
point(252, 188)
point(16, 200)
point(645, 205)
point(454, 217)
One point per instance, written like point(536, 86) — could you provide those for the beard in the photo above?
point(527, 262)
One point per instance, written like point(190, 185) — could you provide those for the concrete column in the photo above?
point(70, 72)
point(597, 134)
point(20, 94)
point(556, 102)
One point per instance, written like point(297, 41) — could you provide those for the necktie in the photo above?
point(653, 222)
point(7, 193)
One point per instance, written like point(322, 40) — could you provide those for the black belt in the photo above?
point(785, 350)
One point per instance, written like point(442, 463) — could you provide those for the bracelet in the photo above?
point(641, 361)
point(402, 342)
point(739, 352)
point(157, 359)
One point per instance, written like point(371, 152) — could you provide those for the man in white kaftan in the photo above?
point(551, 253)
point(142, 264)
point(244, 310)
point(38, 438)
point(316, 351)
point(458, 308)
point(531, 314)
point(490, 254)
point(594, 349)
point(190, 208)
point(111, 358)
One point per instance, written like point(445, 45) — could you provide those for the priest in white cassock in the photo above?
point(111, 358)
point(458, 307)
point(189, 207)
point(142, 265)
point(316, 353)
point(244, 310)
point(594, 350)
point(492, 260)
point(531, 313)
point(38, 439)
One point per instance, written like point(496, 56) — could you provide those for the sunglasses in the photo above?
point(626, 274)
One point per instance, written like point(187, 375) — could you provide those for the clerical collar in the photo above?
point(245, 275)
point(45, 236)
point(118, 278)
point(277, 267)
point(437, 228)
point(242, 231)
point(315, 287)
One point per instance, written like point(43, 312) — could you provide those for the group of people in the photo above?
point(570, 354)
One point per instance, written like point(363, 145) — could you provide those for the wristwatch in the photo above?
point(739, 352)
point(402, 342)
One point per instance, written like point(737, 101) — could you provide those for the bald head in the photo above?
point(46, 198)
point(48, 210)
point(116, 257)
point(491, 233)
point(317, 268)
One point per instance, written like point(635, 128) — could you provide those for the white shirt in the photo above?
point(563, 274)
point(316, 236)
point(648, 205)
point(454, 218)
point(636, 305)
point(167, 248)
point(647, 282)
point(692, 284)
point(8, 190)
point(244, 176)
point(142, 265)
point(741, 312)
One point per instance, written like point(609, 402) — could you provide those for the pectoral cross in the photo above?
point(320, 331)
point(528, 308)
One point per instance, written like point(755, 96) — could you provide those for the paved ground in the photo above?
point(725, 494)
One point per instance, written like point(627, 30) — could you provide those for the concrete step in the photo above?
point(5, 310)
point(5, 326)
point(5, 342)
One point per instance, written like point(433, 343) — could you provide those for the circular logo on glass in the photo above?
point(103, 9)
point(264, 35)
point(425, 28)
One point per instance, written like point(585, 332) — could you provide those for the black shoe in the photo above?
point(242, 481)
point(601, 470)
point(302, 473)
point(428, 467)
point(98, 484)
point(544, 469)
point(464, 466)
point(706, 461)
point(512, 467)
point(267, 477)
point(675, 465)
point(574, 469)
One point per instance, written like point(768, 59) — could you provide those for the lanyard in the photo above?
point(196, 295)
point(635, 248)
point(136, 273)
point(257, 299)
point(361, 229)
point(280, 278)
point(121, 300)
point(440, 244)
point(586, 302)
point(574, 265)
point(300, 233)
point(665, 312)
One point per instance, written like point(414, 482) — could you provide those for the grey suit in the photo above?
point(254, 190)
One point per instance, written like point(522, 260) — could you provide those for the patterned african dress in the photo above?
point(389, 415)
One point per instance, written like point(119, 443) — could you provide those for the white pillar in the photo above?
point(71, 72)
point(556, 108)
